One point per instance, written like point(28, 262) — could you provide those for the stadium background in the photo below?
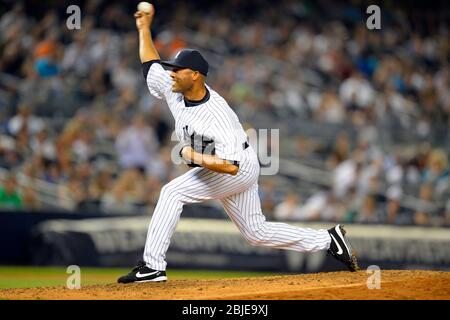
point(363, 118)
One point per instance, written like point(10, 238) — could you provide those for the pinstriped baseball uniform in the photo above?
point(214, 119)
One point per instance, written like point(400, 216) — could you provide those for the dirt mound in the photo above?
point(333, 285)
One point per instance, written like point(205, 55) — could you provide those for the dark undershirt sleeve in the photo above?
point(146, 67)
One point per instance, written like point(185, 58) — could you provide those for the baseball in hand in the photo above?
point(144, 7)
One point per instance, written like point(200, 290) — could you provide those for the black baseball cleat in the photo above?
point(341, 249)
point(142, 273)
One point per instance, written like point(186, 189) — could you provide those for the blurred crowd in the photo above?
point(410, 185)
point(75, 112)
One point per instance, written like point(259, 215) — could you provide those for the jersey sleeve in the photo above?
point(158, 80)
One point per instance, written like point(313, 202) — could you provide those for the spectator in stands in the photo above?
point(9, 157)
point(286, 210)
point(356, 92)
point(437, 172)
point(101, 183)
point(30, 198)
point(331, 109)
point(42, 146)
point(76, 55)
point(25, 120)
point(137, 145)
point(391, 212)
point(127, 194)
point(346, 174)
point(369, 212)
point(52, 172)
point(46, 55)
point(322, 205)
point(10, 198)
point(427, 208)
point(82, 149)
point(72, 193)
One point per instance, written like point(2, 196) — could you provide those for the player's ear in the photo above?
point(195, 75)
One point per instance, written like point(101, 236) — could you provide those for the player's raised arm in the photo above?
point(147, 51)
point(157, 79)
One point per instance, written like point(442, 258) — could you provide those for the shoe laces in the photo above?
point(139, 265)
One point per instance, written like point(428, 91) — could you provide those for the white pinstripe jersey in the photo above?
point(213, 119)
point(238, 193)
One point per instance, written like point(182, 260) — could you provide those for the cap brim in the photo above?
point(171, 64)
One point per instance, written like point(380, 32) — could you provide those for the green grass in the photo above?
point(29, 277)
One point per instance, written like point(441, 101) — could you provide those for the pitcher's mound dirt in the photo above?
point(333, 285)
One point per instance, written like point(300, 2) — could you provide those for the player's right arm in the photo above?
point(147, 51)
point(158, 80)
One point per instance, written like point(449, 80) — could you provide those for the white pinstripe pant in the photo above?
point(240, 199)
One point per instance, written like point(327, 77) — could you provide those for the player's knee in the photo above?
point(255, 240)
point(167, 191)
point(255, 237)
point(252, 240)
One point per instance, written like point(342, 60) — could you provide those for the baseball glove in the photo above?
point(199, 144)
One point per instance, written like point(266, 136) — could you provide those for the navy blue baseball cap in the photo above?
point(190, 59)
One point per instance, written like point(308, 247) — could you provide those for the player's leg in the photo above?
point(195, 186)
point(190, 187)
point(245, 210)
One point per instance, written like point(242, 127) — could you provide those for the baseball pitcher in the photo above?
point(224, 166)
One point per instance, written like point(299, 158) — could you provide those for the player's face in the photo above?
point(183, 79)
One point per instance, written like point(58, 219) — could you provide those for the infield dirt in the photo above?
point(395, 284)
